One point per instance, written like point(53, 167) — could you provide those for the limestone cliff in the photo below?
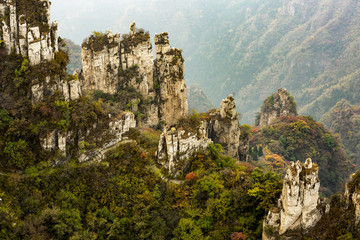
point(177, 145)
point(22, 32)
point(114, 63)
point(299, 207)
point(223, 127)
point(280, 104)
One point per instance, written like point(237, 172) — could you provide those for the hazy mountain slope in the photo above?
point(74, 51)
point(250, 48)
point(197, 99)
point(344, 119)
point(306, 47)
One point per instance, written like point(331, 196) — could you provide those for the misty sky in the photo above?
point(78, 18)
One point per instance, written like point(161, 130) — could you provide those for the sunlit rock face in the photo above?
point(37, 41)
point(169, 75)
point(298, 208)
point(223, 127)
point(113, 63)
point(280, 104)
point(178, 145)
point(117, 127)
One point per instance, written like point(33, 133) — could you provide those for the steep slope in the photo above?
point(74, 52)
point(344, 120)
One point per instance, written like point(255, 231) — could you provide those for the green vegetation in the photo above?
point(131, 41)
point(34, 13)
point(298, 138)
point(124, 197)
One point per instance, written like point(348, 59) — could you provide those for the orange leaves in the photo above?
point(191, 177)
point(276, 161)
point(238, 236)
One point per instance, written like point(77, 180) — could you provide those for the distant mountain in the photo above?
point(74, 51)
point(197, 99)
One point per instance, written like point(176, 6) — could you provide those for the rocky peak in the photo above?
point(112, 64)
point(299, 207)
point(223, 127)
point(22, 32)
point(228, 108)
point(280, 104)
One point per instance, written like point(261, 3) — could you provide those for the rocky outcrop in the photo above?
point(299, 207)
point(41, 89)
point(223, 127)
point(117, 128)
point(106, 138)
point(280, 104)
point(177, 145)
point(21, 33)
point(113, 63)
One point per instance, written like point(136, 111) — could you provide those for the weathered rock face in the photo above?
point(112, 63)
point(101, 65)
point(38, 43)
point(280, 104)
point(108, 138)
point(223, 128)
point(117, 128)
point(299, 207)
point(177, 145)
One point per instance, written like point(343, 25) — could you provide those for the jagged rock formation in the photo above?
point(177, 145)
point(299, 207)
point(223, 127)
point(21, 32)
point(280, 104)
point(112, 63)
